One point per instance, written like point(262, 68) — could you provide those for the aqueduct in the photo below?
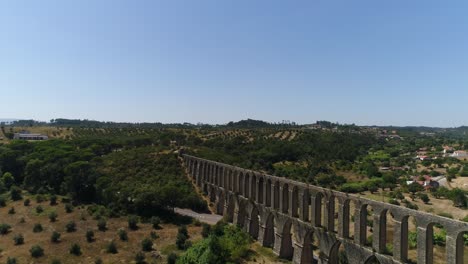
point(289, 215)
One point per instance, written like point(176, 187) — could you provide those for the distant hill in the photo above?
point(251, 123)
point(7, 120)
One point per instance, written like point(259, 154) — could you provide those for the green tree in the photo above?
point(8, 180)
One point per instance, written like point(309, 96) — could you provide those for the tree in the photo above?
point(53, 216)
point(90, 235)
point(415, 187)
point(133, 222)
point(146, 244)
point(111, 248)
point(140, 258)
point(55, 237)
point(15, 193)
point(75, 249)
point(79, 181)
point(424, 197)
point(36, 251)
point(8, 180)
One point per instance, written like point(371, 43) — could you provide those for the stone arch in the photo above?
point(220, 202)
point(434, 233)
point(220, 176)
point(241, 213)
point(276, 195)
point(212, 193)
point(231, 206)
point(307, 255)
point(254, 223)
point(229, 179)
point(295, 202)
point(285, 198)
point(331, 215)
point(363, 221)
point(261, 186)
point(344, 218)
point(460, 247)
point(269, 233)
point(216, 174)
point(334, 255)
point(286, 249)
point(240, 180)
point(246, 185)
point(208, 172)
point(380, 234)
point(268, 189)
point(317, 201)
point(253, 187)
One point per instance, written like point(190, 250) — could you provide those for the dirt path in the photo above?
point(205, 218)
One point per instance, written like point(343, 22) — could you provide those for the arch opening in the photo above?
point(261, 185)
point(254, 223)
point(246, 185)
point(268, 193)
point(287, 249)
point(269, 234)
point(285, 199)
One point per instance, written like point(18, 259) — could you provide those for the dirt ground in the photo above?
point(460, 182)
point(90, 251)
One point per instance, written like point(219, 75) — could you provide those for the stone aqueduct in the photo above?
point(288, 215)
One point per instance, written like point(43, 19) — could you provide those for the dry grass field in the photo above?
point(127, 250)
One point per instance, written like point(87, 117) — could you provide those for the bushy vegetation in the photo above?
point(225, 244)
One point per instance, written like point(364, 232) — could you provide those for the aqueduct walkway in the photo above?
point(289, 215)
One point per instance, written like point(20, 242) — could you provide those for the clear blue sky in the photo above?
point(366, 62)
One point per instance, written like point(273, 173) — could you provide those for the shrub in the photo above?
point(37, 228)
point(205, 230)
point(172, 258)
point(122, 234)
point(36, 251)
point(153, 235)
point(75, 249)
point(140, 258)
point(90, 235)
point(11, 211)
point(11, 260)
point(53, 216)
point(464, 219)
point(133, 222)
point(68, 208)
point(180, 240)
point(424, 197)
point(98, 261)
point(18, 239)
point(55, 261)
point(102, 224)
point(55, 237)
point(155, 222)
point(111, 248)
point(39, 198)
point(53, 199)
point(22, 220)
point(70, 226)
point(147, 244)
point(393, 201)
point(39, 209)
point(2, 201)
point(27, 202)
point(15, 193)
